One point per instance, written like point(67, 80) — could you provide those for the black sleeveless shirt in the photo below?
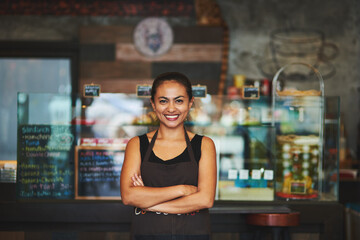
point(182, 169)
point(183, 157)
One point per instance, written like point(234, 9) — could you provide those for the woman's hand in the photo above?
point(189, 189)
point(137, 181)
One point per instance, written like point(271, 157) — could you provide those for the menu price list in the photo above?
point(45, 162)
point(98, 172)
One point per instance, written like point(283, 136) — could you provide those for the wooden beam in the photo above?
point(177, 53)
point(118, 69)
point(106, 34)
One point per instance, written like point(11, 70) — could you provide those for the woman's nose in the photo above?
point(171, 106)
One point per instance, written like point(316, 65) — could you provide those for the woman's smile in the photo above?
point(171, 117)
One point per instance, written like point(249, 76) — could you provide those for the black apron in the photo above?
point(163, 226)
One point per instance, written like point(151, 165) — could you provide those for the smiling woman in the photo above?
point(171, 103)
point(171, 181)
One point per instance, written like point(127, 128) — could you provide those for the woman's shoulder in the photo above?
point(134, 141)
point(141, 138)
point(207, 142)
point(203, 140)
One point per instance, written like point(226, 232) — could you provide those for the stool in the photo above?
point(278, 222)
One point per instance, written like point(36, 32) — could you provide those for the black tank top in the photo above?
point(183, 157)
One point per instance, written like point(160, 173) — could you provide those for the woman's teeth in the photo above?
point(171, 117)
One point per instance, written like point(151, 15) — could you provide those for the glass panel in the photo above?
point(331, 149)
point(298, 115)
point(27, 75)
point(298, 122)
point(242, 134)
point(81, 142)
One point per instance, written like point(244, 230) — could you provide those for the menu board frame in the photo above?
point(199, 91)
point(76, 179)
point(92, 90)
point(250, 92)
point(143, 90)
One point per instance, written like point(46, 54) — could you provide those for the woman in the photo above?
point(171, 181)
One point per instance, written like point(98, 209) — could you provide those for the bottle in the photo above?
point(239, 80)
point(265, 89)
point(342, 147)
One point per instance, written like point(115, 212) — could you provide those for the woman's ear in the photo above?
point(191, 102)
point(152, 104)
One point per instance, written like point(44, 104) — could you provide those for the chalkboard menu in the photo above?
point(45, 162)
point(97, 172)
point(92, 90)
point(250, 92)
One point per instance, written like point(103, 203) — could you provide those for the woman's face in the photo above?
point(171, 103)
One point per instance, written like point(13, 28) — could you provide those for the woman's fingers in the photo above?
point(190, 189)
point(137, 180)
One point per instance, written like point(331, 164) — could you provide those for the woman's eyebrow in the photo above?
point(162, 97)
point(179, 97)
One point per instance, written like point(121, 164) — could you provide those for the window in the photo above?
point(31, 68)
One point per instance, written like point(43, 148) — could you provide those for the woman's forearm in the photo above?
point(145, 197)
point(187, 204)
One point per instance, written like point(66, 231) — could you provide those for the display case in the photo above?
point(72, 147)
point(303, 155)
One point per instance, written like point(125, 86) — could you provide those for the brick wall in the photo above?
point(98, 7)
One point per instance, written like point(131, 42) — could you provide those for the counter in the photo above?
point(323, 218)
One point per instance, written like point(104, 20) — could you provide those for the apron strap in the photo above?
point(189, 147)
point(150, 147)
point(188, 144)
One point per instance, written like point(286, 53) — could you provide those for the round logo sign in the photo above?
point(153, 37)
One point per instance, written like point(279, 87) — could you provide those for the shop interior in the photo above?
point(276, 87)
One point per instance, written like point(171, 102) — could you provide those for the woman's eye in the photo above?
point(162, 101)
point(179, 101)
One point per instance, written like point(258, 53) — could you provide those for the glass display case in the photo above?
point(72, 147)
point(301, 145)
